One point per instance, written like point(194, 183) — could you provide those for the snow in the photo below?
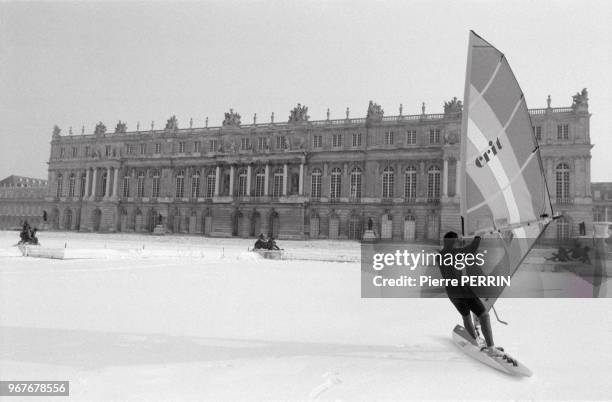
point(179, 317)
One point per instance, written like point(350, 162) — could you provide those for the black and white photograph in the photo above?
point(305, 200)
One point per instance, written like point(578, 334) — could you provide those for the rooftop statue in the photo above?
point(56, 131)
point(172, 123)
point(231, 119)
point(581, 99)
point(375, 112)
point(120, 128)
point(100, 129)
point(299, 114)
point(453, 106)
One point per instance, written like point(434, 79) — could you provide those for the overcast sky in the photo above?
point(75, 64)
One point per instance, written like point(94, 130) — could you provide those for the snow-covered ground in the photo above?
point(204, 319)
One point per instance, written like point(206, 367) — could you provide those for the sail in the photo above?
point(503, 190)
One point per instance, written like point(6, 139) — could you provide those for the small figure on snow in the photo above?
point(261, 243)
point(28, 234)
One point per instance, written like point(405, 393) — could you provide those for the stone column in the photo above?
point(116, 184)
point(458, 178)
point(217, 174)
point(248, 183)
point(587, 179)
point(231, 184)
point(93, 183)
point(267, 180)
point(86, 190)
point(301, 184)
point(445, 178)
point(285, 179)
point(108, 182)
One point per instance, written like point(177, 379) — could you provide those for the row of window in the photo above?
point(562, 132)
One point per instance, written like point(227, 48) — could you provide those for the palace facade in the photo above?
point(298, 178)
point(22, 199)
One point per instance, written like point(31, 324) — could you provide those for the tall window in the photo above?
point(281, 142)
point(336, 183)
point(211, 179)
point(433, 183)
point(410, 182)
point(337, 140)
point(315, 191)
point(388, 179)
point(143, 149)
point(277, 187)
point(180, 184)
point(356, 183)
point(71, 184)
point(434, 136)
point(212, 146)
point(537, 130)
point(195, 185)
point(563, 182)
point(155, 184)
point(107, 150)
point(60, 185)
point(196, 146)
point(87, 150)
point(563, 131)
point(130, 149)
point(411, 137)
point(104, 180)
point(563, 229)
point(74, 152)
point(82, 184)
point(181, 147)
point(260, 182)
point(356, 139)
point(125, 187)
point(242, 182)
point(62, 152)
point(389, 138)
point(317, 141)
point(245, 143)
point(158, 148)
point(140, 185)
point(261, 143)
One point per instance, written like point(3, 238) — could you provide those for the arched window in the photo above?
point(410, 183)
point(71, 184)
point(155, 183)
point(125, 187)
point(260, 182)
point(211, 180)
point(336, 183)
point(356, 183)
point(433, 183)
point(315, 188)
point(277, 189)
point(180, 184)
point(242, 182)
point(195, 185)
point(140, 184)
point(388, 181)
point(59, 190)
point(563, 183)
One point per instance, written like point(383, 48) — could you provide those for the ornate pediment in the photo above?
point(375, 112)
point(172, 123)
point(453, 106)
point(100, 129)
point(121, 127)
point(231, 119)
point(581, 100)
point(299, 114)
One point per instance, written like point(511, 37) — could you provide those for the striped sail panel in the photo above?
point(503, 183)
point(504, 193)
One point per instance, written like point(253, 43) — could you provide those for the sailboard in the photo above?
point(503, 189)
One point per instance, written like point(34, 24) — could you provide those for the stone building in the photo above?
point(298, 178)
point(602, 201)
point(21, 199)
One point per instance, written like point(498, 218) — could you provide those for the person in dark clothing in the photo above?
point(261, 242)
point(463, 297)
